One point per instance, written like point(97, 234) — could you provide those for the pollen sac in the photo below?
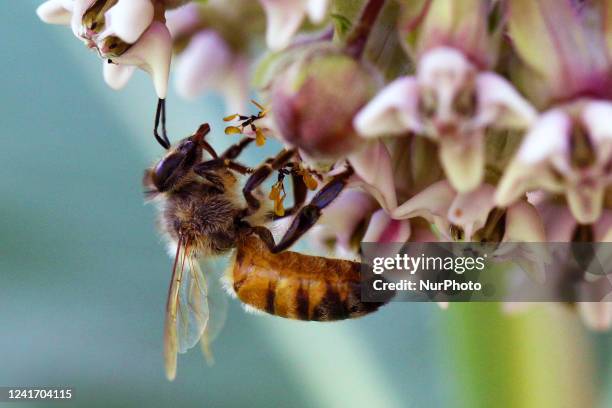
point(314, 100)
point(113, 47)
point(232, 130)
point(260, 138)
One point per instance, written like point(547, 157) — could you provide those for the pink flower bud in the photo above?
point(315, 98)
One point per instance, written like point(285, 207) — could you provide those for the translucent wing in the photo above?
point(217, 304)
point(186, 307)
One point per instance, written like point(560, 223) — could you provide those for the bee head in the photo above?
point(177, 164)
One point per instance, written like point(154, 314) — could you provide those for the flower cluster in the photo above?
point(472, 120)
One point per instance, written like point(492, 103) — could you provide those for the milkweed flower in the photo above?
point(125, 33)
point(568, 151)
point(454, 98)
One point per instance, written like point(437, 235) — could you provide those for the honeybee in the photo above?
point(203, 212)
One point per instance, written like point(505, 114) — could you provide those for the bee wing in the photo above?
point(186, 308)
point(217, 304)
point(193, 307)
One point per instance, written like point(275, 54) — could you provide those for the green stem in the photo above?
point(356, 41)
point(529, 360)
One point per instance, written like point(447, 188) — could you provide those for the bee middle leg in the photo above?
point(299, 196)
point(260, 175)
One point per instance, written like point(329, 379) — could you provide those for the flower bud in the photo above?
point(314, 100)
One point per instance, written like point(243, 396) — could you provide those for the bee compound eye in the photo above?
point(165, 169)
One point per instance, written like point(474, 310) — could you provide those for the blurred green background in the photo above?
point(83, 276)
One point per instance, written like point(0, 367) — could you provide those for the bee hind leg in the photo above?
point(308, 215)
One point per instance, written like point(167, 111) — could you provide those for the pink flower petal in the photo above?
point(202, 64)
point(392, 111)
point(183, 19)
point(373, 166)
point(558, 221)
point(500, 103)
point(284, 18)
point(471, 210)
point(432, 204)
point(383, 229)
point(547, 139)
point(523, 224)
point(342, 217)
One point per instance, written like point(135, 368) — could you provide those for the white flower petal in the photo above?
point(463, 160)
point(500, 103)
point(183, 19)
point(79, 7)
point(152, 53)
point(117, 76)
point(284, 18)
point(383, 229)
point(317, 9)
point(203, 64)
point(373, 166)
point(471, 210)
point(596, 116)
point(55, 12)
point(128, 19)
point(393, 111)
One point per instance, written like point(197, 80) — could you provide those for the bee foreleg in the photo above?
point(308, 215)
point(234, 151)
point(217, 164)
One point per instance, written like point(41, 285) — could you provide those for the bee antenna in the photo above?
point(160, 115)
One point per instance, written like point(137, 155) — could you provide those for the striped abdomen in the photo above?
point(298, 286)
